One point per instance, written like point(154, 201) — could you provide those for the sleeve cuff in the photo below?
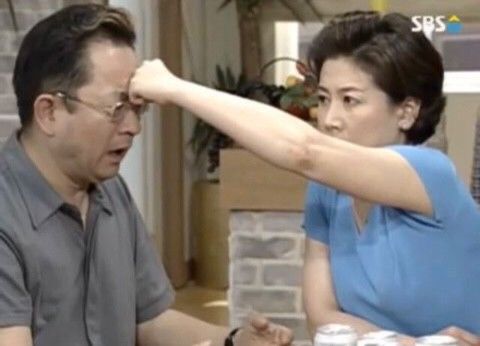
point(157, 307)
point(11, 320)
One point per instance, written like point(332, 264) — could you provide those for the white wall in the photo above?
point(210, 37)
point(461, 111)
point(137, 167)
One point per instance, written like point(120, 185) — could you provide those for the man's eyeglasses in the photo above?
point(116, 112)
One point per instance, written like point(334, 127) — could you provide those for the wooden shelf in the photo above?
point(249, 183)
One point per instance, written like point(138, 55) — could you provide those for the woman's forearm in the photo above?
point(267, 131)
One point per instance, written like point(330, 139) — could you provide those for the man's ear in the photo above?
point(408, 112)
point(44, 113)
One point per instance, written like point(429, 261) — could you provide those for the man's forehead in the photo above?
point(104, 54)
point(110, 67)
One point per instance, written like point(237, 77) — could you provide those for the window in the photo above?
point(460, 52)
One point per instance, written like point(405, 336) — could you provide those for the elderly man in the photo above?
point(76, 264)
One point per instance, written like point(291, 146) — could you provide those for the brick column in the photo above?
point(27, 13)
point(266, 256)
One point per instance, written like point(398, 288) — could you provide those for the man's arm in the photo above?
point(18, 336)
point(173, 328)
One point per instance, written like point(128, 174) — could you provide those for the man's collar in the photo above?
point(98, 195)
point(41, 199)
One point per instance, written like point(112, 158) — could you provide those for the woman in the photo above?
point(393, 236)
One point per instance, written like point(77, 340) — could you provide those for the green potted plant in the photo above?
point(297, 97)
point(205, 138)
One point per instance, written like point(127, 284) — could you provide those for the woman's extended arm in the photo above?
point(373, 174)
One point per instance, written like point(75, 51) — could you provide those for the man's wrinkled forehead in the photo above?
point(110, 67)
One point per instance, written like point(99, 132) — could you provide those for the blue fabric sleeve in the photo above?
point(438, 175)
point(316, 213)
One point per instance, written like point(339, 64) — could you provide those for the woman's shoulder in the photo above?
point(419, 150)
point(426, 159)
point(446, 190)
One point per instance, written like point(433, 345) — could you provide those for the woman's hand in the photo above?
point(463, 337)
point(153, 81)
point(406, 340)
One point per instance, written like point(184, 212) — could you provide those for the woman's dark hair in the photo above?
point(402, 63)
point(52, 54)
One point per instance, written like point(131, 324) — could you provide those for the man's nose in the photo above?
point(131, 123)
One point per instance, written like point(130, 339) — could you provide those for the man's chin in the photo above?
point(107, 174)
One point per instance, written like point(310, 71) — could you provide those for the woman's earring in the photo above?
point(405, 125)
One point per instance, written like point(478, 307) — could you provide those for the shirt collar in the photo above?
point(41, 199)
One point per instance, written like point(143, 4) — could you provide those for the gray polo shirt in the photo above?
point(74, 287)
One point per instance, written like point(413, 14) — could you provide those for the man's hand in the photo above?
point(463, 337)
point(261, 332)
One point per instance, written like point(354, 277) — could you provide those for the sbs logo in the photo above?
point(452, 25)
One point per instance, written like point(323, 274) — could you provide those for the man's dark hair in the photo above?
point(52, 54)
point(402, 63)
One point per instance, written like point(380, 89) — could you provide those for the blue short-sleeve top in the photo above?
point(405, 271)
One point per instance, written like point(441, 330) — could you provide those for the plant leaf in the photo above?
point(314, 10)
point(247, 6)
point(224, 4)
point(302, 68)
point(230, 80)
point(241, 82)
point(202, 136)
point(295, 91)
point(310, 101)
point(285, 101)
point(290, 7)
point(11, 9)
point(220, 78)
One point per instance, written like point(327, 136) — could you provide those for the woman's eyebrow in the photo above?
point(346, 88)
point(350, 88)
